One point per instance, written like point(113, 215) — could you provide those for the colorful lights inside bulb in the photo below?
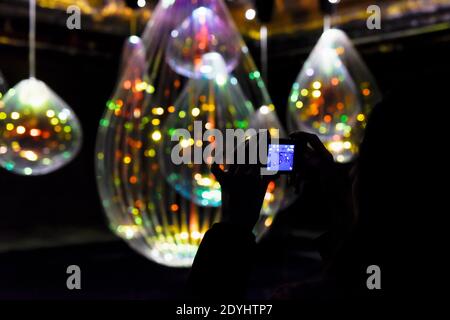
point(158, 217)
point(201, 33)
point(39, 132)
point(214, 103)
point(333, 95)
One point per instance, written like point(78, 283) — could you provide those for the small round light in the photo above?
point(141, 3)
point(250, 14)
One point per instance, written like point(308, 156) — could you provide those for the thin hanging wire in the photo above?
point(32, 39)
point(133, 23)
point(326, 22)
point(264, 53)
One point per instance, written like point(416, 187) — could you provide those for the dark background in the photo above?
point(52, 221)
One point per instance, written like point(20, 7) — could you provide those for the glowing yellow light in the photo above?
point(156, 135)
point(316, 93)
point(15, 115)
point(304, 92)
point(347, 145)
point(195, 112)
point(184, 235)
point(268, 221)
point(9, 127)
point(50, 113)
point(317, 85)
point(340, 50)
point(127, 159)
point(336, 146)
point(156, 122)
point(150, 153)
point(2, 115)
point(20, 130)
point(141, 86)
point(299, 104)
point(340, 158)
point(274, 132)
point(158, 111)
point(15, 146)
point(182, 114)
point(54, 121)
point(184, 143)
point(360, 117)
point(199, 143)
point(150, 89)
point(29, 155)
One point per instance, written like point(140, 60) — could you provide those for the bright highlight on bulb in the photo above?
point(201, 33)
point(141, 3)
point(250, 14)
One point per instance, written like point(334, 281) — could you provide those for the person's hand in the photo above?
point(315, 166)
point(243, 190)
point(313, 161)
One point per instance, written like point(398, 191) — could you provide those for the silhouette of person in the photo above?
point(374, 216)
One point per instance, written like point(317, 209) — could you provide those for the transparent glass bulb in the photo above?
point(142, 207)
point(333, 95)
point(215, 101)
point(202, 32)
point(39, 132)
point(132, 44)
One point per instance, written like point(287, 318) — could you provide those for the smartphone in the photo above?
point(280, 157)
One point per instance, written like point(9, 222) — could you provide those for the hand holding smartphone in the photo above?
point(281, 156)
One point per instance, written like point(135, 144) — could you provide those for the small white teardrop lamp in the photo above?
point(39, 132)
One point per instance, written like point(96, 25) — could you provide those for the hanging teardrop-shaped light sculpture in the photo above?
point(39, 132)
point(143, 205)
point(333, 95)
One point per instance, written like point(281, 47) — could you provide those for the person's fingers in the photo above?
point(300, 139)
point(220, 175)
point(318, 146)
